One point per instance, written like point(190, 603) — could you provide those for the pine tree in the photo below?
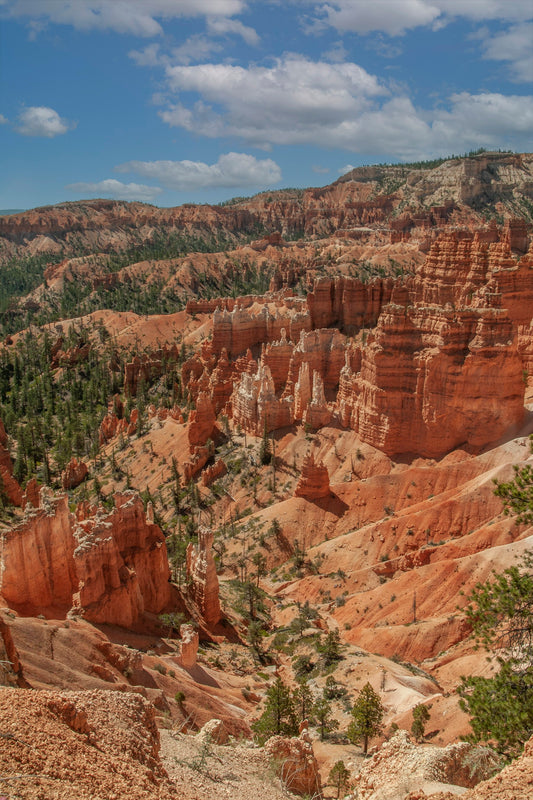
point(331, 647)
point(279, 716)
point(501, 615)
point(367, 714)
point(303, 700)
point(420, 717)
point(324, 716)
point(339, 777)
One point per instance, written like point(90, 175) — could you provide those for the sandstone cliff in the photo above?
point(202, 576)
point(105, 567)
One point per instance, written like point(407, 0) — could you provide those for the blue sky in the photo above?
point(173, 101)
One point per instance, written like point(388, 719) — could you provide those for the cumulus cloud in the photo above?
point(137, 17)
point(196, 48)
point(390, 16)
point(514, 46)
point(394, 17)
point(230, 171)
point(295, 100)
point(42, 121)
point(340, 105)
point(116, 190)
point(221, 26)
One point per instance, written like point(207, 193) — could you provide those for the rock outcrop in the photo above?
point(106, 568)
point(213, 473)
point(515, 782)
point(433, 379)
point(81, 744)
point(147, 367)
point(74, 474)
point(256, 406)
point(400, 766)
point(314, 480)
point(202, 421)
point(188, 646)
point(296, 764)
point(202, 577)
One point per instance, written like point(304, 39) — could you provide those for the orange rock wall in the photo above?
point(202, 577)
point(107, 568)
point(428, 381)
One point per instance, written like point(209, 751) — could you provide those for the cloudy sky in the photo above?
point(173, 101)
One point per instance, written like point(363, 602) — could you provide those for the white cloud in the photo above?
point(149, 56)
point(42, 121)
point(296, 100)
point(320, 170)
point(137, 17)
point(478, 10)
point(230, 171)
point(3, 120)
point(394, 17)
point(390, 16)
point(345, 169)
point(221, 26)
point(339, 105)
point(196, 48)
point(116, 190)
point(337, 52)
point(514, 46)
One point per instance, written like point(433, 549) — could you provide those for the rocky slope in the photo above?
point(456, 190)
point(332, 441)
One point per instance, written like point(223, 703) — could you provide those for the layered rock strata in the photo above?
point(202, 577)
point(107, 568)
point(431, 380)
point(313, 483)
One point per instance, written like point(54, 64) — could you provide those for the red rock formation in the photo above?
point(202, 421)
point(242, 328)
point(188, 646)
point(202, 577)
point(297, 766)
point(221, 382)
point(39, 570)
point(213, 473)
point(255, 405)
point(31, 494)
point(314, 480)
point(148, 367)
point(107, 568)
point(317, 413)
point(428, 381)
point(199, 458)
point(302, 391)
point(108, 428)
point(324, 351)
point(74, 474)
point(347, 302)
point(277, 356)
point(273, 239)
point(136, 572)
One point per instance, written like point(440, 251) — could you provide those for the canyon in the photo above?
point(331, 441)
